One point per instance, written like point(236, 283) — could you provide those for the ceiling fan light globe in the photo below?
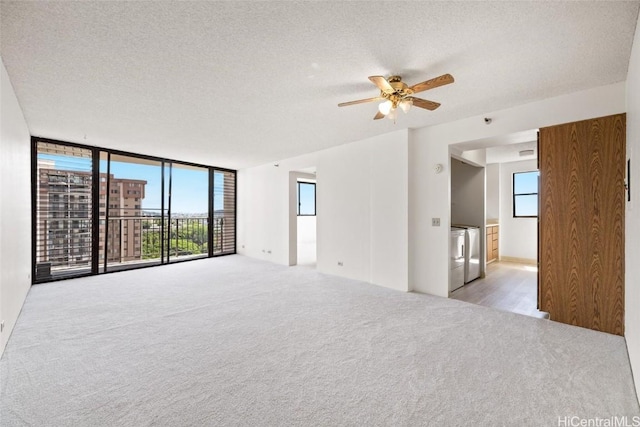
point(392, 114)
point(385, 107)
point(406, 105)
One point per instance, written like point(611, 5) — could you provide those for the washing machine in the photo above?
point(456, 259)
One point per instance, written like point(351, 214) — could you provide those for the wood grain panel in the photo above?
point(492, 243)
point(609, 201)
point(582, 223)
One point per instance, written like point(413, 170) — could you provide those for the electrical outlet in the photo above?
point(435, 222)
point(340, 264)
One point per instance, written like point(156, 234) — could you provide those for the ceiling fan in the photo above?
point(395, 93)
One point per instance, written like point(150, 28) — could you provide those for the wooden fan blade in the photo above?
point(360, 101)
point(423, 103)
point(378, 116)
point(382, 84)
point(444, 79)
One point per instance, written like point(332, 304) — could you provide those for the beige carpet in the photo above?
point(235, 341)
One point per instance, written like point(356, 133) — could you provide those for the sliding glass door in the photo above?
point(99, 211)
point(188, 217)
point(130, 212)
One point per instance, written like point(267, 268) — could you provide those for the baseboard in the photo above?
point(519, 260)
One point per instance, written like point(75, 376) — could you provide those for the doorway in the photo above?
point(306, 219)
point(509, 223)
point(303, 218)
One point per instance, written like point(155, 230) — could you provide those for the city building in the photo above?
point(124, 231)
point(64, 225)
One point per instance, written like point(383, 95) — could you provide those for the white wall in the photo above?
point(518, 236)
point(632, 223)
point(362, 210)
point(306, 240)
point(428, 264)
point(476, 157)
point(492, 191)
point(429, 192)
point(15, 208)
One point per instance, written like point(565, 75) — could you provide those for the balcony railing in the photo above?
point(64, 244)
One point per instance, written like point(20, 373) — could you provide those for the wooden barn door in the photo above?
point(582, 223)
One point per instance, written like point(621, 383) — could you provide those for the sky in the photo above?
point(189, 187)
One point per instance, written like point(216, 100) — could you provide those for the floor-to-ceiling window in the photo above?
point(63, 214)
point(141, 210)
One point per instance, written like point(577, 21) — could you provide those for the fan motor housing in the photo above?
point(401, 88)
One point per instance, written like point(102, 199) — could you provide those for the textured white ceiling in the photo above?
point(237, 84)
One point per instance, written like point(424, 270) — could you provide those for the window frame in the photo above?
point(514, 195)
point(315, 210)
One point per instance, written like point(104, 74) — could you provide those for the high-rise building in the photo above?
point(124, 223)
point(64, 217)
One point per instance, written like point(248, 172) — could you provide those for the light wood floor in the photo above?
point(507, 286)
